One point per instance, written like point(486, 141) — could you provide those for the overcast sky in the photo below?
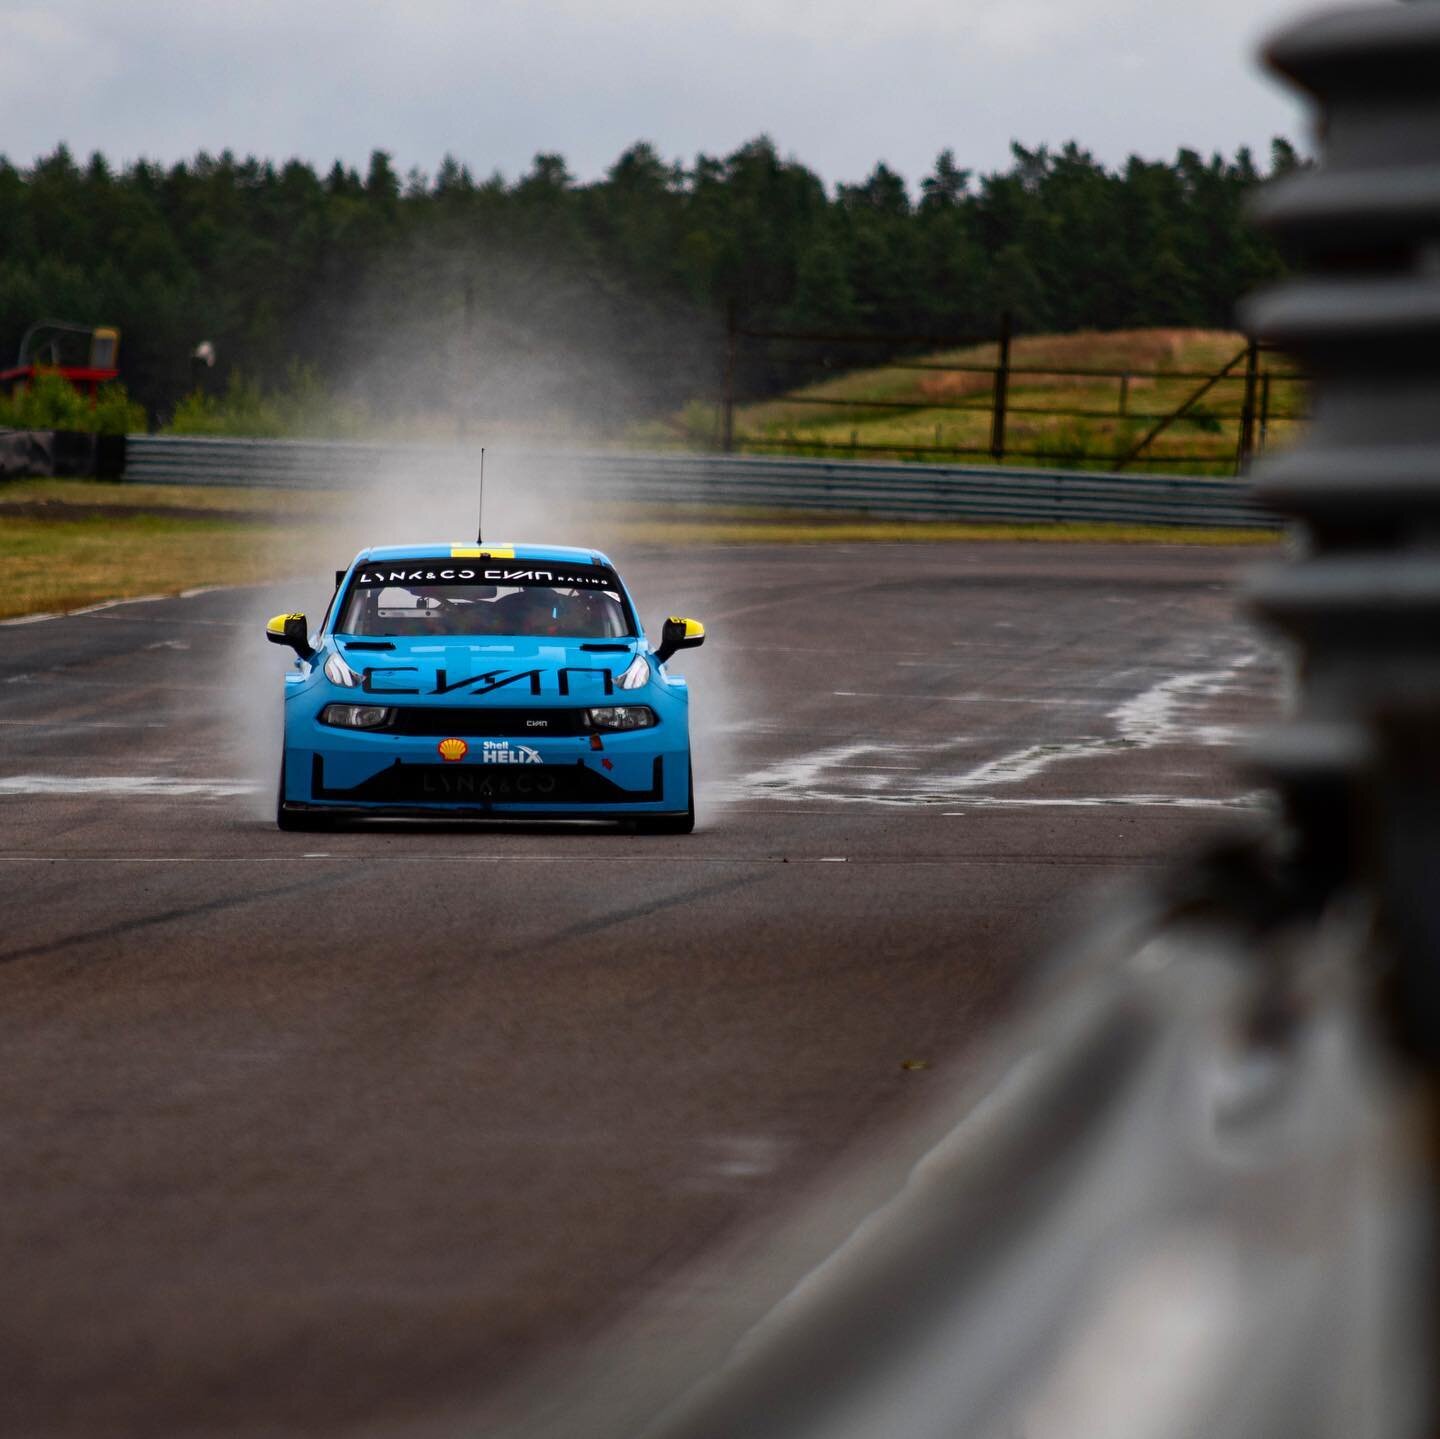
point(838, 84)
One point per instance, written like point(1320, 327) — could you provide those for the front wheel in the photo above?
point(672, 823)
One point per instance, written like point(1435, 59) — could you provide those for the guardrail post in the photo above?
point(1001, 392)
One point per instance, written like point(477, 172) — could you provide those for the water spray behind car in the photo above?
point(544, 396)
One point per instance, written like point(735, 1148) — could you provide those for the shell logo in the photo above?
point(453, 749)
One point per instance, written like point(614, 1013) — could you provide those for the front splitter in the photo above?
point(564, 786)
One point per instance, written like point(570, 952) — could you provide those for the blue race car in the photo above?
point(460, 680)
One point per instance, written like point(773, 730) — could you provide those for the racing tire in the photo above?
point(671, 823)
point(292, 820)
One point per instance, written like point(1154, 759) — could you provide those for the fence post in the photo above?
point(1246, 447)
point(1264, 438)
point(732, 342)
point(1164, 423)
point(1000, 392)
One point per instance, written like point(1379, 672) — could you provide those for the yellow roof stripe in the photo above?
point(475, 552)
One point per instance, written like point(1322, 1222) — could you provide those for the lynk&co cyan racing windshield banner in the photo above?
point(404, 573)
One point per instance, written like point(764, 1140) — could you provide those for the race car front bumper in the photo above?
point(632, 774)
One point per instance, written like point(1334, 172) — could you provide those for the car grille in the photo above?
point(476, 721)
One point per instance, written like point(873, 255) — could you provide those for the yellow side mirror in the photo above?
point(679, 634)
point(292, 630)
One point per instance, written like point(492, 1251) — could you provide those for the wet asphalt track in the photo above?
point(333, 1133)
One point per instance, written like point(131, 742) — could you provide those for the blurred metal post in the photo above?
point(1360, 767)
point(1364, 602)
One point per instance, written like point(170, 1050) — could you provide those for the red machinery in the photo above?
point(85, 355)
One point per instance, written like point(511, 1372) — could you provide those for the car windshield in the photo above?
point(438, 598)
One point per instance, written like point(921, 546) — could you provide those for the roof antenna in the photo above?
point(480, 521)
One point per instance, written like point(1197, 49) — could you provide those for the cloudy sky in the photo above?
point(839, 84)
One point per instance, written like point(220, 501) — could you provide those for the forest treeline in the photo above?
point(603, 298)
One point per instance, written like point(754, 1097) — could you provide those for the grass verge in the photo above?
point(63, 564)
point(111, 496)
point(65, 544)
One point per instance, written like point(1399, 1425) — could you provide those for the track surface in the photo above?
point(331, 1133)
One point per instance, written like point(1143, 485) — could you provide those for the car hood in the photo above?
point(495, 669)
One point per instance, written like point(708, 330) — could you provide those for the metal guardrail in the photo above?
point(882, 491)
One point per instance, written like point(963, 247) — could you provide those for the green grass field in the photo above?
point(58, 564)
point(65, 544)
point(862, 427)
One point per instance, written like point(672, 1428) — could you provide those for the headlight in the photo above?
point(617, 717)
point(357, 716)
point(637, 676)
point(339, 673)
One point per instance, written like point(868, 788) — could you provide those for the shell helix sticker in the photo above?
point(499, 751)
point(453, 749)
